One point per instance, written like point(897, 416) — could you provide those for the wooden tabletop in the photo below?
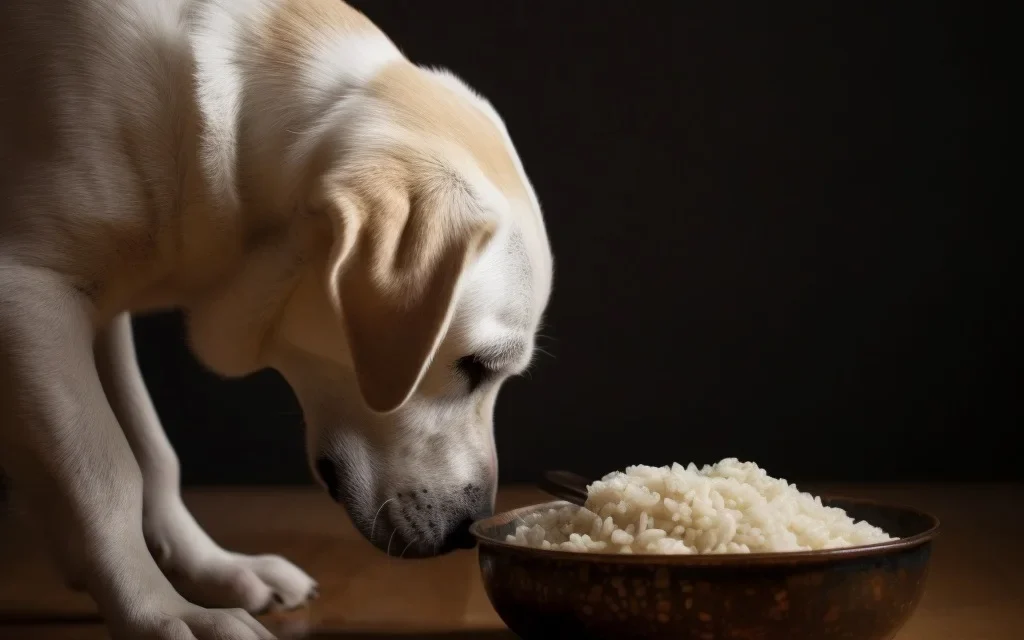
point(975, 590)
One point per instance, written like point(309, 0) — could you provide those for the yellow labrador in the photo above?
point(315, 203)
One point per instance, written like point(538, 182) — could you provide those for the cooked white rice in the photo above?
point(728, 507)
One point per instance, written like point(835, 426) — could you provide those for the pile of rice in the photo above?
point(728, 507)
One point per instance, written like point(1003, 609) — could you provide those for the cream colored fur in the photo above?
point(315, 203)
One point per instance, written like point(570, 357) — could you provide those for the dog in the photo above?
point(314, 203)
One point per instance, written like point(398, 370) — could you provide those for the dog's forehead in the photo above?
point(504, 293)
point(501, 282)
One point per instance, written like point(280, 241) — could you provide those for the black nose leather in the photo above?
point(328, 472)
point(460, 537)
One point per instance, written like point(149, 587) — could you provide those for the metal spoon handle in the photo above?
point(565, 485)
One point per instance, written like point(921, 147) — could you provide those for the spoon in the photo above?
point(565, 485)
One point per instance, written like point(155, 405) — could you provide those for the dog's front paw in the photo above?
point(185, 621)
point(208, 575)
point(254, 583)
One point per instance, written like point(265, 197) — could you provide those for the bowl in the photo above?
point(855, 593)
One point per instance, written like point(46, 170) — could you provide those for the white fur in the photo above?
point(219, 87)
point(264, 165)
point(358, 59)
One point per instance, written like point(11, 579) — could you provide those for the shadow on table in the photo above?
point(49, 620)
point(23, 620)
point(453, 635)
point(32, 619)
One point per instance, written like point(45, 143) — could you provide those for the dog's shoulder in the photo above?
point(95, 106)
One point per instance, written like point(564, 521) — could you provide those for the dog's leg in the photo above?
point(61, 443)
point(201, 570)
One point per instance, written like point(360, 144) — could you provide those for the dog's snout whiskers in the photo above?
point(373, 526)
point(402, 555)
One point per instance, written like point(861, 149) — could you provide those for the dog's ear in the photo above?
point(396, 263)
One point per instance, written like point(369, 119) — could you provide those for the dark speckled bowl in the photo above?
point(858, 593)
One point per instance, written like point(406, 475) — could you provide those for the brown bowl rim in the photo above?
point(730, 559)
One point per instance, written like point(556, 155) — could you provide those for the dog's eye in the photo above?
point(475, 370)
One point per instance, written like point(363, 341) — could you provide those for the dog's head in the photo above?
point(433, 277)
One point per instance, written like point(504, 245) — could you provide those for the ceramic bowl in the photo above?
point(857, 593)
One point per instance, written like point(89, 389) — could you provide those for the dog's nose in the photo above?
point(435, 522)
point(478, 505)
point(328, 472)
point(459, 537)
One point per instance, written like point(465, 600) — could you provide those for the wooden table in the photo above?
point(975, 591)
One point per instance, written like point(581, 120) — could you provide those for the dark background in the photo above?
point(776, 231)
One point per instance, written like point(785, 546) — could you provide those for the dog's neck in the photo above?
point(270, 96)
